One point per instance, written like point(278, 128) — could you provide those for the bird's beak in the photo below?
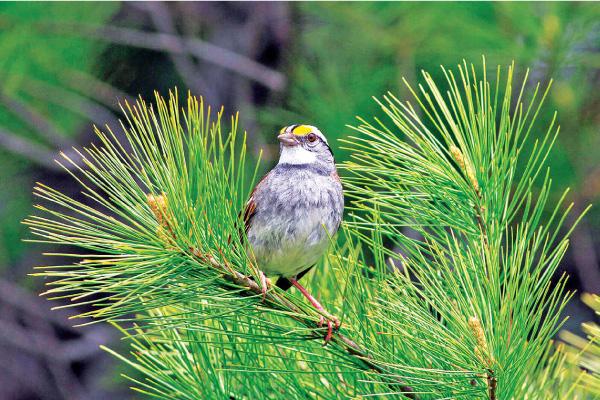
point(288, 139)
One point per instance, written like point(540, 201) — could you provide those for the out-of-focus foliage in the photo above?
point(33, 56)
point(31, 49)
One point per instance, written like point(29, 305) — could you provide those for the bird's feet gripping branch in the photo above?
point(332, 322)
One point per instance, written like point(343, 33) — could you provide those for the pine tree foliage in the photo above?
point(441, 276)
point(459, 186)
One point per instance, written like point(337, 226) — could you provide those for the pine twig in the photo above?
point(492, 383)
point(276, 301)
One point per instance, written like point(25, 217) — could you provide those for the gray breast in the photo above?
point(297, 208)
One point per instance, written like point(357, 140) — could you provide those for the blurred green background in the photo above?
point(65, 66)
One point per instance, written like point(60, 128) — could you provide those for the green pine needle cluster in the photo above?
point(441, 275)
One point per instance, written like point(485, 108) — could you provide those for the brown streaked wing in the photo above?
point(248, 212)
point(250, 208)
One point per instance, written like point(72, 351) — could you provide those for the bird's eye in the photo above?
point(311, 137)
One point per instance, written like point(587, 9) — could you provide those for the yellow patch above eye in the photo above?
point(302, 130)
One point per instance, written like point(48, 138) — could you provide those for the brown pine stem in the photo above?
point(492, 382)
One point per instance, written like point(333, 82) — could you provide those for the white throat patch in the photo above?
point(296, 155)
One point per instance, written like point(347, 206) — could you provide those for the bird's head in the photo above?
point(304, 144)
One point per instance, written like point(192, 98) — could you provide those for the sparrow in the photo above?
point(295, 209)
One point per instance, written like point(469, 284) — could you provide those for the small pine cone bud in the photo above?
point(472, 178)
point(477, 330)
point(481, 351)
point(465, 166)
point(458, 156)
point(158, 204)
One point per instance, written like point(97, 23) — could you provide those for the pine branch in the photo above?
point(168, 249)
point(278, 302)
point(470, 313)
point(449, 169)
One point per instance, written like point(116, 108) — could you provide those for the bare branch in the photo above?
point(71, 101)
point(165, 42)
point(14, 296)
point(27, 149)
point(187, 69)
point(39, 154)
point(100, 91)
point(35, 120)
point(46, 346)
point(42, 341)
point(584, 256)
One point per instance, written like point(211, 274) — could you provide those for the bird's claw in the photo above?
point(332, 324)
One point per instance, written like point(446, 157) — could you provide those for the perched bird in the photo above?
point(294, 209)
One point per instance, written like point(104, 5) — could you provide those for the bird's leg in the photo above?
point(331, 322)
